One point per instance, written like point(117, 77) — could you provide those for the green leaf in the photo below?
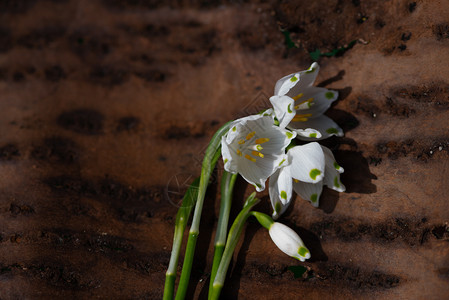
point(298, 271)
point(288, 40)
point(315, 55)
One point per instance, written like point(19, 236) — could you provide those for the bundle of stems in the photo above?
point(224, 244)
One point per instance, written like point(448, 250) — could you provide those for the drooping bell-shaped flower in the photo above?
point(285, 238)
point(312, 192)
point(304, 164)
point(299, 105)
point(255, 148)
point(288, 241)
point(308, 168)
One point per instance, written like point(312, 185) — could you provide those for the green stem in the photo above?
point(231, 243)
point(227, 186)
point(181, 222)
point(264, 219)
point(213, 152)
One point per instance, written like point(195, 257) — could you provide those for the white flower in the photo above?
point(283, 236)
point(308, 168)
point(299, 106)
point(288, 241)
point(255, 148)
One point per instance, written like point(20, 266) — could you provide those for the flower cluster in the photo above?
point(299, 106)
point(261, 147)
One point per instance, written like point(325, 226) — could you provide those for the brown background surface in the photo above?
point(106, 108)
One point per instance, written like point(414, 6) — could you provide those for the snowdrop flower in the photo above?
point(308, 168)
point(285, 238)
point(255, 148)
point(288, 241)
point(299, 106)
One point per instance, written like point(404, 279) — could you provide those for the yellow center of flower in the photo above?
point(310, 100)
point(301, 117)
point(262, 140)
point(298, 96)
point(256, 153)
point(250, 147)
point(250, 135)
point(250, 158)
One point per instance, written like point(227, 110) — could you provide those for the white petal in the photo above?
point(279, 140)
point(308, 76)
point(309, 191)
point(253, 174)
point(323, 124)
point(233, 133)
point(334, 183)
point(284, 109)
point(284, 84)
point(332, 172)
point(280, 190)
point(256, 160)
point(268, 112)
point(229, 161)
point(307, 162)
point(308, 132)
point(330, 159)
point(239, 127)
point(315, 101)
point(288, 241)
point(306, 79)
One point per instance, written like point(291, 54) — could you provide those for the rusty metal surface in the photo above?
point(107, 105)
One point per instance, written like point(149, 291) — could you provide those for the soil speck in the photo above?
point(55, 73)
point(108, 76)
point(128, 123)
point(441, 31)
point(8, 152)
point(22, 209)
point(57, 149)
point(84, 121)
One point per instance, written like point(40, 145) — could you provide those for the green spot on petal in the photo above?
point(312, 135)
point(310, 70)
point(313, 198)
point(278, 207)
point(289, 134)
point(234, 128)
point(314, 173)
point(332, 130)
point(309, 104)
point(289, 109)
point(336, 183)
point(336, 166)
point(293, 79)
point(282, 161)
point(258, 185)
point(226, 160)
point(284, 195)
point(303, 251)
point(329, 95)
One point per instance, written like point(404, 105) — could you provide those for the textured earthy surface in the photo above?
point(106, 108)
